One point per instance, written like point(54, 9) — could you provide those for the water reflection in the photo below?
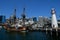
point(29, 35)
point(53, 35)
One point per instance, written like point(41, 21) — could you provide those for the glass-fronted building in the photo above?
point(2, 19)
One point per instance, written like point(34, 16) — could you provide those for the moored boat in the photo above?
point(15, 27)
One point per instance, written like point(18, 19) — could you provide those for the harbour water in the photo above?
point(4, 35)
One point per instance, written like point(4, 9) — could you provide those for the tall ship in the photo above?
point(16, 24)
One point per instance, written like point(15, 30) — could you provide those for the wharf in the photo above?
point(42, 29)
point(47, 29)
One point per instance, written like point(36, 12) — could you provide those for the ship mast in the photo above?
point(23, 16)
point(14, 15)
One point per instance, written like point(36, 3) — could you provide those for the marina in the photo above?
point(29, 19)
point(31, 24)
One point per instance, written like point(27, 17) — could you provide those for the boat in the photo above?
point(15, 27)
point(0, 27)
point(14, 24)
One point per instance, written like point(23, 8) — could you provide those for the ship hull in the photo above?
point(19, 29)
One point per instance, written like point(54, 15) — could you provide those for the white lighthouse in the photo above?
point(54, 20)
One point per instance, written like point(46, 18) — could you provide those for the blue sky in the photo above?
point(33, 7)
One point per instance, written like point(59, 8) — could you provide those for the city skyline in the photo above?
point(33, 7)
